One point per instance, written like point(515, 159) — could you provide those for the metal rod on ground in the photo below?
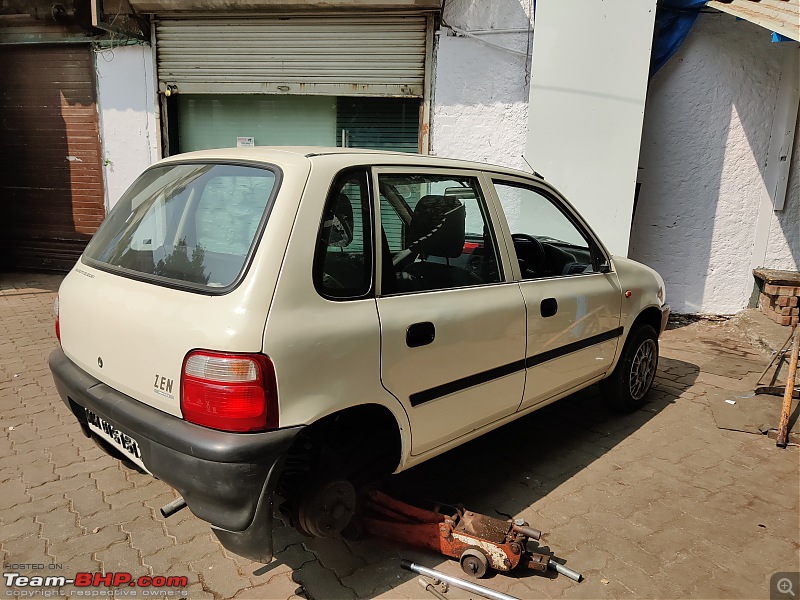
point(775, 357)
point(428, 587)
point(455, 581)
point(566, 571)
point(783, 427)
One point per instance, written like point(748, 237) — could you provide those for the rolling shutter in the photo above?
point(378, 123)
point(340, 55)
point(51, 182)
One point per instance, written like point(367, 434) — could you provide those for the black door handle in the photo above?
point(548, 307)
point(420, 334)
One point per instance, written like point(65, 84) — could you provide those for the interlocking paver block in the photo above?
point(280, 586)
point(19, 528)
point(113, 517)
point(187, 528)
point(335, 555)
point(92, 540)
point(660, 503)
point(86, 501)
point(181, 555)
point(61, 486)
point(220, 576)
point(13, 493)
point(59, 525)
point(121, 557)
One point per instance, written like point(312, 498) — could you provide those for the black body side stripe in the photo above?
point(538, 359)
point(465, 382)
point(503, 370)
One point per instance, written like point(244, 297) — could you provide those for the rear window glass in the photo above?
point(193, 224)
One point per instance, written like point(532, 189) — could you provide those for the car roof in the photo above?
point(287, 155)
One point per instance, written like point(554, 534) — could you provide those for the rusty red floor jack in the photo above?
point(478, 542)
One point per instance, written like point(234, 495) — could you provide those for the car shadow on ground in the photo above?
point(502, 474)
point(14, 283)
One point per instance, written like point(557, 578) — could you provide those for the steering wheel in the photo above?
point(539, 260)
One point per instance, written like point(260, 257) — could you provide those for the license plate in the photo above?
point(121, 441)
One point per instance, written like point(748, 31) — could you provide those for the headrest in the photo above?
point(437, 227)
point(337, 225)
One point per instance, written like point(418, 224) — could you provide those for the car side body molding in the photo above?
point(484, 376)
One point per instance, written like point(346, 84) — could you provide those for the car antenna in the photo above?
point(531, 168)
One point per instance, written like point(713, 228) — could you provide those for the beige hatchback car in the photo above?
point(300, 321)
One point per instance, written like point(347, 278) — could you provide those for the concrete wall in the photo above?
point(126, 102)
point(707, 127)
point(480, 96)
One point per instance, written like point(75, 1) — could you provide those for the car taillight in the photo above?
point(229, 392)
point(58, 325)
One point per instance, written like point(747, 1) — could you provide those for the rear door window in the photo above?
point(343, 257)
point(194, 225)
point(436, 231)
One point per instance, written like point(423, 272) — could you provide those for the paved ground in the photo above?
point(659, 503)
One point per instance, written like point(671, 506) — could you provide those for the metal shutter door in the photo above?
point(339, 55)
point(51, 182)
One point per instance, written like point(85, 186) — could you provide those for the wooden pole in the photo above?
point(783, 427)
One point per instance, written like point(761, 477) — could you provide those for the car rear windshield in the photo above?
point(190, 225)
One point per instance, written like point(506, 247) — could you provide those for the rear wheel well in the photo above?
point(361, 444)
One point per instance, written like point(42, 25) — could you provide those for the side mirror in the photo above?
point(599, 261)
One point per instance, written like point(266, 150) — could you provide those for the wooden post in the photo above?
point(783, 427)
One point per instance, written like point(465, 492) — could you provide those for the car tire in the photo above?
point(627, 387)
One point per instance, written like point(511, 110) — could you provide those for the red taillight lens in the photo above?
point(58, 325)
point(229, 392)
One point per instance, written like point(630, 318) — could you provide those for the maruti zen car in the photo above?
point(299, 321)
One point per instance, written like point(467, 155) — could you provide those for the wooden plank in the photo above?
point(780, 16)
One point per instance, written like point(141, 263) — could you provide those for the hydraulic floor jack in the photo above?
point(478, 542)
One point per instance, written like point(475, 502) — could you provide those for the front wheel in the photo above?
point(626, 388)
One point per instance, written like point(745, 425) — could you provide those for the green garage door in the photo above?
point(216, 121)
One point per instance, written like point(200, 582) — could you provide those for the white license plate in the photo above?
point(121, 441)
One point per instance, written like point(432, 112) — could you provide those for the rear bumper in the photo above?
point(225, 478)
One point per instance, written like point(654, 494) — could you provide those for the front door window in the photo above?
point(546, 241)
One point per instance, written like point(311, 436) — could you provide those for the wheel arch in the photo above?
point(649, 316)
point(374, 416)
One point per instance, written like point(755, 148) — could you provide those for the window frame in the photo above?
point(492, 217)
point(600, 256)
point(368, 224)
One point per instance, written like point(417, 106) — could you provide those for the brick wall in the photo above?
point(780, 303)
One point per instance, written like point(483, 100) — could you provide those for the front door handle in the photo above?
point(548, 307)
point(420, 334)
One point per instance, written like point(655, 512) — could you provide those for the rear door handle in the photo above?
point(548, 307)
point(420, 334)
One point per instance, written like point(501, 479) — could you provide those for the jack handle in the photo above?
point(559, 568)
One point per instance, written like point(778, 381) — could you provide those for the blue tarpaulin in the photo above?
point(674, 19)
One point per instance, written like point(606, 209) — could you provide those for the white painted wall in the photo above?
point(706, 133)
point(126, 102)
point(480, 96)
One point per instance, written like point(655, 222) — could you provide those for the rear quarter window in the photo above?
point(191, 225)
